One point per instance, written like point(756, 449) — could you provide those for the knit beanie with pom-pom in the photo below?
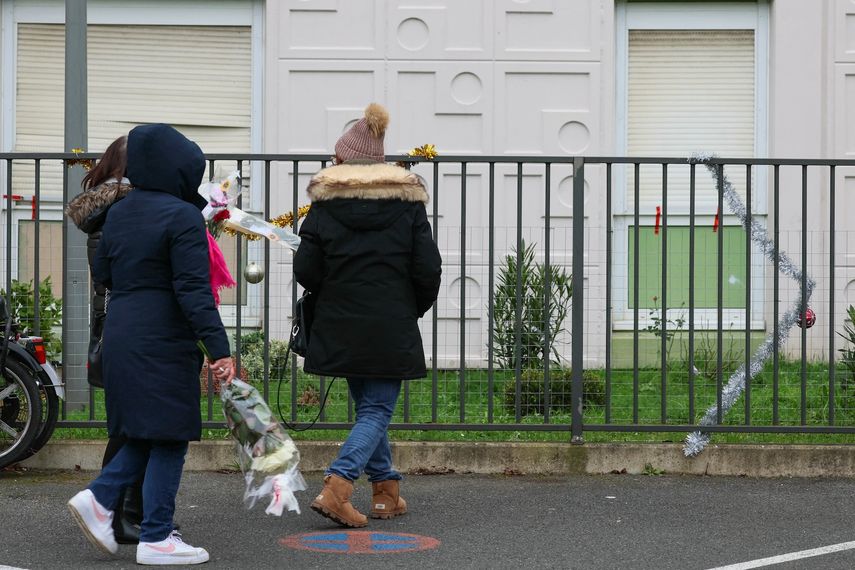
point(364, 140)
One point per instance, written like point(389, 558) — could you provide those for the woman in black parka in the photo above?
point(153, 257)
point(368, 255)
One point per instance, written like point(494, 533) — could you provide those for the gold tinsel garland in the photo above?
point(287, 220)
point(86, 163)
point(427, 151)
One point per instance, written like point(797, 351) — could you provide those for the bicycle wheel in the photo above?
point(50, 415)
point(20, 412)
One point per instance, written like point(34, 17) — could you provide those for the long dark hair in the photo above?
point(112, 164)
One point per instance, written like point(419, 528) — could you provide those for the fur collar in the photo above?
point(376, 181)
point(94, 201)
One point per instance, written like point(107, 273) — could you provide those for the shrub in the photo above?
point(22, 310)
point(534, 315)
point(706, 355)
point(252, 357)
point(657, 319)
point(847, 352)
point(250, 342)
point(560, 382)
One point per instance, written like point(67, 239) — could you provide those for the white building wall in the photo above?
point(798, 110)
point(811, 96)
point(472, 77)
point(506, 77)
point(840, 135)
point(476, 77)
point(500, 78)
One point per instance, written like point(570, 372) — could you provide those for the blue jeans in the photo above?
point(162, 463)
point(367, 446)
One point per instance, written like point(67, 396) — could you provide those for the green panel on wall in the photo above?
point(706, 267)
point(706, 343)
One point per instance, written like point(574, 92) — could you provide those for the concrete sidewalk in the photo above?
point(520, 458)
point(602, 522)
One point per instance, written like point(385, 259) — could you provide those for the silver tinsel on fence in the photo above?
point(696, 441)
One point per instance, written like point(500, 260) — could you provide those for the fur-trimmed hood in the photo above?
point(88, 210)
point(371, 181)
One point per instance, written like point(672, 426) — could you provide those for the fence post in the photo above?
point(578, 308)
point(75, 290)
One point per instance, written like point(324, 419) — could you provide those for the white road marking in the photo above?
point(789, 557)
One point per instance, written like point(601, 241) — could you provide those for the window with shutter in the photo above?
point(689, 91)
point(196, 78)
point(691, 78)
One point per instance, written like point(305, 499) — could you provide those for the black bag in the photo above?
point(304, 312)
point(301, 325)
point(93, 363)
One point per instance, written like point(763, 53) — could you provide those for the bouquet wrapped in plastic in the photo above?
point(268, 457)
point(222, 213)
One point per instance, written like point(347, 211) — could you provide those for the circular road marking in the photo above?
point(360, 542)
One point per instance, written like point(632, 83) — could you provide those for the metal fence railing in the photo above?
point(579, 293)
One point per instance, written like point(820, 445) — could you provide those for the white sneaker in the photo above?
point(173, 550)
point(95, 521)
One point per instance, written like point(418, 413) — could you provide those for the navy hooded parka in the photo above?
point(153, 257)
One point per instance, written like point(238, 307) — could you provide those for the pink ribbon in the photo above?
point(221, 278)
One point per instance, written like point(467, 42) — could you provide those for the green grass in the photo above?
point(418, 396)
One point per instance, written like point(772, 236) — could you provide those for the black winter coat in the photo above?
point(153, 256)
point(368, 254)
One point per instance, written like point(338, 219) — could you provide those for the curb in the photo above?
point(517, 458)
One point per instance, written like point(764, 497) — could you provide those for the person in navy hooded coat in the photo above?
point(153, 257)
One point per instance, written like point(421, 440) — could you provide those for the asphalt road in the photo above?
point(581, 522)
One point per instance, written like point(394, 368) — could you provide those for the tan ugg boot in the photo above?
point(334, 503)
point(386, 501)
